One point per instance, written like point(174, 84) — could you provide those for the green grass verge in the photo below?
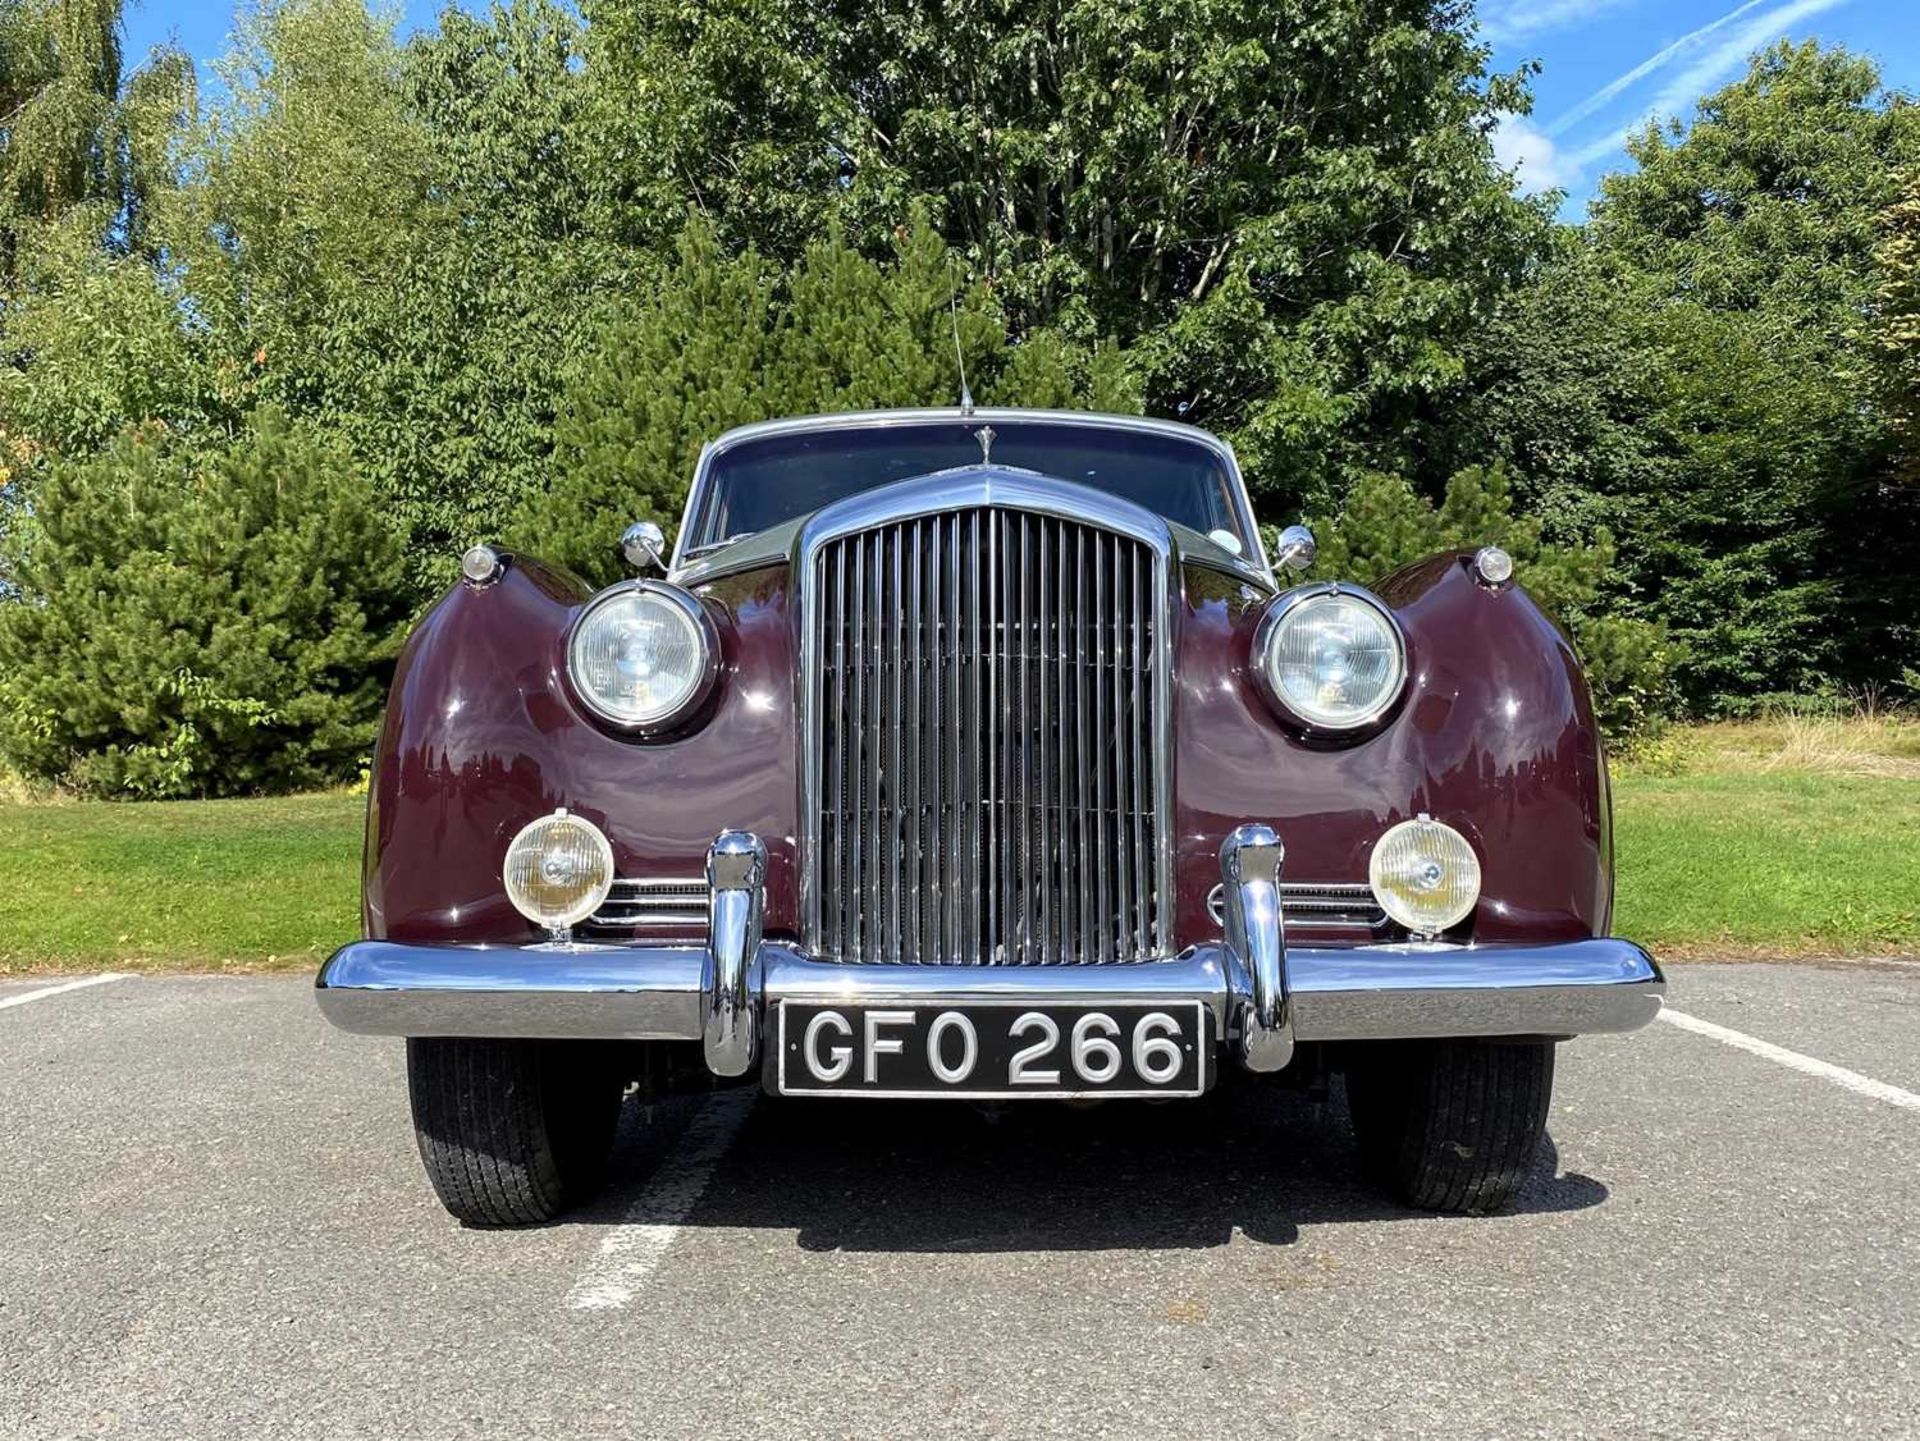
point(1777, 863)
point(1774, 863)
point(180, 885)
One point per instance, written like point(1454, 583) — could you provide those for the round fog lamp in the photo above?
point(1425, 875)
point(558, 870)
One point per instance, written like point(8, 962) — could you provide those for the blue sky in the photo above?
point(1607, 65)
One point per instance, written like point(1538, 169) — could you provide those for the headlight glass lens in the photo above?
point(559, 870)
point(1425, 875)
point(1334, 660)
point(639, 656)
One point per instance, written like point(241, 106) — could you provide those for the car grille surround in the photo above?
point(984, 716)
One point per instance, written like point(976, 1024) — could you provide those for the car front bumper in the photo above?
point(1263, 996)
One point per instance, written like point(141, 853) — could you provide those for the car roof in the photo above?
point(921, 415)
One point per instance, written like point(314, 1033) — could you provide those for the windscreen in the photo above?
point(757, 484)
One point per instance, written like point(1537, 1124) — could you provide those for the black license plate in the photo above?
point(991, 1050)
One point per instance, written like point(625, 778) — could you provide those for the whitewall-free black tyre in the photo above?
point(512, 1132)
point(1450, 1125)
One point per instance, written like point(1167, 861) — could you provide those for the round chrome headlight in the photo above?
point(1331, 657)
point(1425, 875)
point(642, 655)
point(558, 870)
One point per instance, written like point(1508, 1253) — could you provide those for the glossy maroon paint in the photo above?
point(1495, 736)
point(482, 735)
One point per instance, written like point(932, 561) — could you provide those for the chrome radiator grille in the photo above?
point(986, 696)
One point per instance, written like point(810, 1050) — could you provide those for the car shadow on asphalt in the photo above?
point(906, 1177)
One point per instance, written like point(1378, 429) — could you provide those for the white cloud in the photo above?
point(1504, 21)
point(1535, 161)
point(1677, 97)
point(1687, 43)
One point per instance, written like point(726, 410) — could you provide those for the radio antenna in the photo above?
point(959, 358)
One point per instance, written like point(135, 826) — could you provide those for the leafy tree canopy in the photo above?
point(203, 624)
point(1289, 207)
point(1895, 339)
point(724, 341)
point(74, 131)
point(1687, 373)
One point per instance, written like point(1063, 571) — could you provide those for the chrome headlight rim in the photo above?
point(696, 615)
point(1290, 602)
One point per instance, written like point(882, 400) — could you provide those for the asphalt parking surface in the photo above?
point(215, 1225)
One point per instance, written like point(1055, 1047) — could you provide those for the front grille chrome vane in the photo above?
point(986, 694)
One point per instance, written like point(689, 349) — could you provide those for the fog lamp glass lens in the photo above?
point(1425, 875)
point(639, 656)
point(1334, 660)
point(559, 870)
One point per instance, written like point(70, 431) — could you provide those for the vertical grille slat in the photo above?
point(1103, 728)
point(1043, 721)
point(988, 777)
point(1140, 680)
point(1116, 680)
point(972, 734)
point(953, 878)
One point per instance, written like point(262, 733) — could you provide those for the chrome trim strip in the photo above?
point(553, 992)
point(737, 872)
point(1354, 993)
point(870, 419)
point(1250, 863)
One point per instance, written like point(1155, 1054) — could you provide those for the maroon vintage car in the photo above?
point(980, 754)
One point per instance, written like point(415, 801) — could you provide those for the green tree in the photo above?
point(83, 155)
point(451, 376)
point(1894, 344)
point(723, 341)
point(383, 239)
point(200, 624)
point(76, 131)
point(1685, 374)
point(1297, 258)
point(1385, 525)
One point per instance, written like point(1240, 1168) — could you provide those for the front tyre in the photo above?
point(512, 1132)
point(1450, 1125)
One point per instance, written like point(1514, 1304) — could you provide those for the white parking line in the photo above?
point(631, 1250)
point(62, 989)
point(1826, 1070)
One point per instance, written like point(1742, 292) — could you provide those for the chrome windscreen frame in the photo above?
point(1255, 562)
point(966, 488)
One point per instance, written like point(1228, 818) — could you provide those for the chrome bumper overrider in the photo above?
point(1263, 996)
